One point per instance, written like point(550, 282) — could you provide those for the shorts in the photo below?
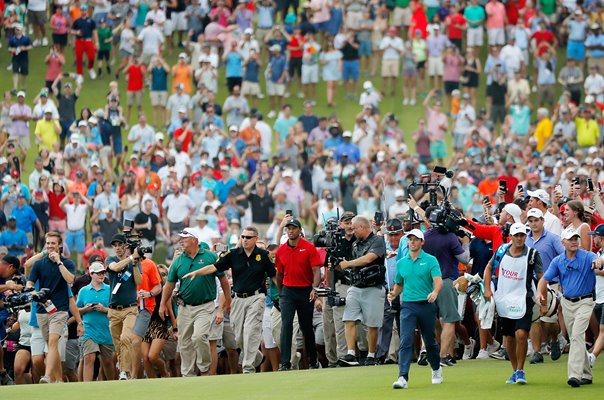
point(179, 20)
point(459, 140)
point(599, 311)
point(447, 298)
point(39, 347)
point(102, 55)
point(267, 330)
point(250, 88)
point(228, 336)
point(420, 64)
point(364, 48)
point(321, 26)
point(409, 72)
point(438, 149)
point(575, 50)
point(498, 113)
point(435, 66)
point(36, 17)
point(157, 329)
point(496, 36)
point(134, 98)
point(275, 89)
point(141, 323)
point(59, 39)
point(365, 305)
point(233, 81)
point(75, 240)
point(310, 74)
point(457, 43)
point(215, 329)
point(350, 70)
point(450, 86)
point(158, 98)
point(125, 53)
point(390, 68)
point(475, 37)
point(52, 324)
point(510, 326)
point(72, 354)
point(106, 350)
point(168, 27)
point(261, 34)
point(294, 67)
point(20, 67)
point(145, 58)
point(401, 16)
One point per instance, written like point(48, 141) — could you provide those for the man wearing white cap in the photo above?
point(466, 190)
point(20, 115)
point(19, 46)
point(178, 104)
point(196, 309)
point(540, 199)
point(419, 274)
point(514, 264)
point(400, 207)
point(575, 269)
point(141, 135)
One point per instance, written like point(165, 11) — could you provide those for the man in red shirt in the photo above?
point(184, 135)
point(298, 273)
point(456, 24)
point(134, 95)
point(544, 39)
point(511, 182)
point(296, 50)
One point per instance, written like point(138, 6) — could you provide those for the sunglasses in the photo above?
point(247, 237)
point(99, 273)
point(395, 233)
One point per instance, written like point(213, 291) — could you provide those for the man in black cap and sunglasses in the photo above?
point(249, 265)
point(9, 267)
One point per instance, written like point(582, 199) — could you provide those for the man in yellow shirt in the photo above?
point(587, 128)
point(47, 131)
point(544, 128)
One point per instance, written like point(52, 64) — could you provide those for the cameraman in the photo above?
point(448, 250)
point(9, 266)
point(365, 300)
point(56, 273)
point(123, 280)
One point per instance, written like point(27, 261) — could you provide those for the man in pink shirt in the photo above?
point(496, 22)
point(437, 127)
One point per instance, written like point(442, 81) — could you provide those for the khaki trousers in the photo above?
point(576, 318)
point(194, 323)
point(121, 325)
point(246, 321)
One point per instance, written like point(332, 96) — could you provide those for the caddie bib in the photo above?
point(510, 296)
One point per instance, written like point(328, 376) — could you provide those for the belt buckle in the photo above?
point(119, 307)
point(244, 295)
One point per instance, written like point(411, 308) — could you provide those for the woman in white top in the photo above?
point(23, 356)
point(573, 216)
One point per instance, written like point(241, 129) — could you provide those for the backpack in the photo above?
point(501, 252)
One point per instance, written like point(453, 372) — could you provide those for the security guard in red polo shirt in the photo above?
point(298, 264)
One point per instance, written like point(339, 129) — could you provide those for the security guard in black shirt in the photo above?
point(250, 265)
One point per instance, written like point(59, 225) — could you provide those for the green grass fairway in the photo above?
point(482, 379)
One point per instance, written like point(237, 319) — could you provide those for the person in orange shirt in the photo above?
point(147, 178)
point(250, 134)
point(489, 186)
point(149, 288)
point(182, 73)
point(79, 185)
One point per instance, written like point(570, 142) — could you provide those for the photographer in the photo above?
point(498, 234)
point(9, 266)
point(56, 273)
point(124, 272)
point(365, 299)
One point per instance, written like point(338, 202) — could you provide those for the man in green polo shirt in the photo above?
point(419, 274)
point(196, 303)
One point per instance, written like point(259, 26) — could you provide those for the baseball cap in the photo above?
point(233, 128)
point(399, 193)
point(417, 233)
point(96, 235)
point(201, 217)
point(21, 93)
point(12, 217)
point(514, 211)
point(83, 7)
point(394, 225)
point(539, 194)
point(569, 233)
point(188, 233)
point(248, 31)
point(119, 238)
point(534, 212)
point(462, 174)
point(287, 173)
point(367, 85)
point(347, 134)
point(599, 231)
point(152, 186)
point(347, 216)
point(294, 222)
point(182, 55)
point(517, 228)
point(15, 173)
point(3, 250)
point(96, 267)
point(275, 47)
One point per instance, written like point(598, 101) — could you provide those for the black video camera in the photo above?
point(133, 239)
point(333, 239)
point(22, 300)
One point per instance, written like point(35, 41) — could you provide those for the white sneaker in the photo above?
point(296, 360)
point(437, 376)
point(534, 89)
point(400, 383)
point(123, 376)
point(36, 43)
point(92, 73)
point(530, 349)
point(563, 342)
point(406, 102)
point(300, 95)
point(493, 347)
point(44, 41)
point(9, 67)
point(468, 350)
point(260, 95)
point(31, 30)
point(592, 359)
point(412, 102)
point(271, 114)
point(79, 79)
point(45, 379)
point(287, 94)
point(482, 355)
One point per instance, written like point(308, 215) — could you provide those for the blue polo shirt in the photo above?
point(26, 217)
point(350, 149)
point(223, 188)
point(595, 40)
point(9, 238)
point(23, 41)
point(96, 323)
point(417, 276)
point(576, 276)
point(47, 274)
point(86, 26)
point(277, 67)
point(548, 245)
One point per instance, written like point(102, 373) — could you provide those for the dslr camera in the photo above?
point(332, 238)
point(22, 300)
point(133, 239)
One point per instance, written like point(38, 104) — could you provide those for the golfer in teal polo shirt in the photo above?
point(419, 279)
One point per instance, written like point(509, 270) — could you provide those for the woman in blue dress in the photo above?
point(331, 59)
